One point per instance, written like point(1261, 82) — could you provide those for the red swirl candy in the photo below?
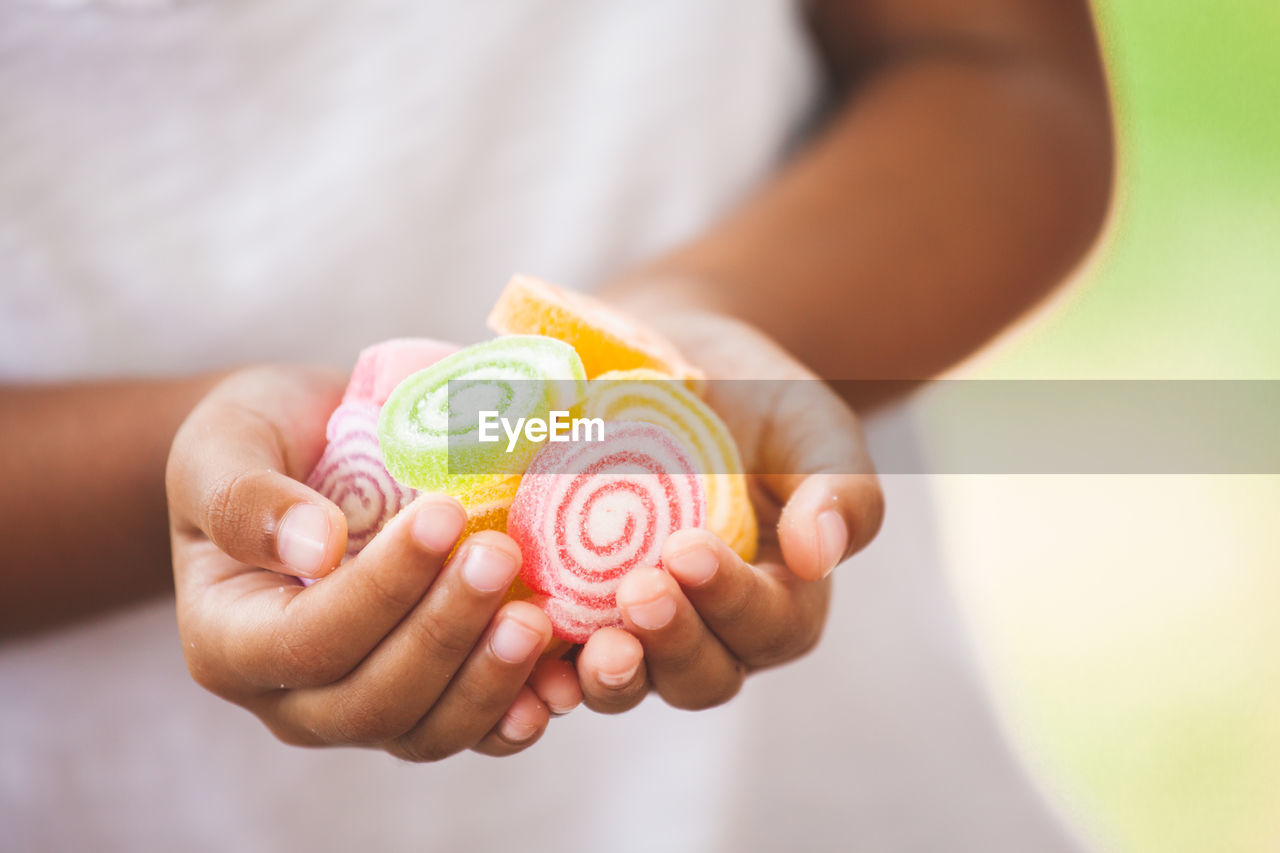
point(586, 513)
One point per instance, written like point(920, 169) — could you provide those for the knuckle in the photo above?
point(732, 605)
point(308, 663)
point(683, 659)
point(363, 718)
point(482, 701)
point(222, 513)
point(452, 638)
point(388, 595)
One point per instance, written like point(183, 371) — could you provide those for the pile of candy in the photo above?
point(583, 513)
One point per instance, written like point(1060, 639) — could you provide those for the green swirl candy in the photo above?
point(429, 429)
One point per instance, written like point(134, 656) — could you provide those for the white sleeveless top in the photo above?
point(185, 185)
point(223, 180)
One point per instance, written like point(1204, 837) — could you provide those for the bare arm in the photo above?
point(965, 170)
point(83, 504)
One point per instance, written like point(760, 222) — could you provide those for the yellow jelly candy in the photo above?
point(657, 398)
point(604, 339)
point(487, 507)
point(487, 510)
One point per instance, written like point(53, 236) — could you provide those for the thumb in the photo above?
point(225, 482)
point(819, 469)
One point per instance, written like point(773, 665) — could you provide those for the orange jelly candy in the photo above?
point(603, 338)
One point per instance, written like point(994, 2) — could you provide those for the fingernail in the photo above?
point(833, 539)
point(694, 566)
point(563, 694)
point(517, 730)
point(437, 526)
point(513, 641)
point(654, 613)
point(488, 569)
point(301, 539)
point(618, 678)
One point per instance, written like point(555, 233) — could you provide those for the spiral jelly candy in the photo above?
point(381, 367)
point(603, 338)
point(428, 429)
point(351, 474)
point(586, 513)
point(652, 397)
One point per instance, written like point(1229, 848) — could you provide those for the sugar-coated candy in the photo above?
point(653, 397)
point(383, 366)
point(487, 510)
point(351, 474)
point(487, 506)
point(428, 429)
point(586, 513)
point(605, 339)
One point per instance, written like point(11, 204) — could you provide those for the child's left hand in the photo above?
point(694, 631)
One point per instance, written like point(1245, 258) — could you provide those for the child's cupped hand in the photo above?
point(414, 652)
point(695, 630)
point(409, 651)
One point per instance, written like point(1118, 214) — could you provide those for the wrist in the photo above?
point(682, 308)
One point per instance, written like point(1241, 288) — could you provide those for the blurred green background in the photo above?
point(1131, 625)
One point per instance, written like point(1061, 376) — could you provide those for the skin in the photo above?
point(965, 167)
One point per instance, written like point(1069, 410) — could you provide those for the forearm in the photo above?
point(945, 198)
point(83, 508)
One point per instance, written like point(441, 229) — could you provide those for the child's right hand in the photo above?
point(399, 649)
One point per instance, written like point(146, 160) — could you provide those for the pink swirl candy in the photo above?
point(351, 472)
point(586, 513)
point(381, 367)
point(352, 475)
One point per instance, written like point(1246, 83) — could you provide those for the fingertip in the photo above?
point(833, 539)
point(641, 585)
point(611, 671)
point(693, 557)
point(828, 520)
point(520, 633)
point(525, 720)
point(648, 599)
point(497, 540)
point(311, 539)
point(868, 498)
point(556, 683)
point(438, 521)
point(858, 501)
point(530, 616)
point(799, 548)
